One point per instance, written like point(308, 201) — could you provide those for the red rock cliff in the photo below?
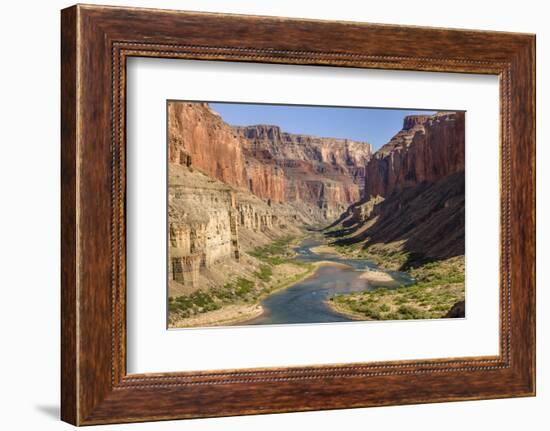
point(326, 173)
point(427, 149)
point(267, 141)
point(199, 137)
point(266, 181)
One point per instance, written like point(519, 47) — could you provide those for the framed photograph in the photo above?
point(264, 215)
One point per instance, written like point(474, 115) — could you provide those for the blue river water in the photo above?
point(305, 302)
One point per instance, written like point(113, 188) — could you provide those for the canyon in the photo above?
point(233, 191)
point(413, 200)
point(326, 173)
point(232, 188)
point(427, 149)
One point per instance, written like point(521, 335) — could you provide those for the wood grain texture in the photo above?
point(69, 397)
point(96, 41)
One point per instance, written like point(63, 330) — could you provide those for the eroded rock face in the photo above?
point(209, 221)
point(267, 141)
point(203, 224)
point(265, 181)
point(427, 149)
point(199, 137)
point(256, 219)
point(363, 211)
point(414, 193)
point(326, 173)
point(426, 220)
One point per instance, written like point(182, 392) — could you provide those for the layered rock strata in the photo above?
point(208, 220)
point(427, 149)
point(199, 137)
point(326, 173)
point(270, 142)
point(203, 223)
point(414, 192)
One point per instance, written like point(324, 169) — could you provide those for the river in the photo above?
point(305, 302)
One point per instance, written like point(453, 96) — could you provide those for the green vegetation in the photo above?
point(264, 273)
point(197, 302)
point(439, 285)
point(241, 290)
point(388, 256)
point(243, 287)
point(438, 272)
point(275, 253)
point(244, 290)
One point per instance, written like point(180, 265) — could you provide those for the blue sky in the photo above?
point(373, 125)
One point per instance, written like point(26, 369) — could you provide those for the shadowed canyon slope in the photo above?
point(414, 193)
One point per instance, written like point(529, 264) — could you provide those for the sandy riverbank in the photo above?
point(344, 310)
point(329, 263)
point(324, 248)
point(233, 314)
point(376, 276)
point(225, 316)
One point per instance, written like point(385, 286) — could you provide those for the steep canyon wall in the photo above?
point(325, 173)
point(427, 149)
point(228, 185)
point(414, 192)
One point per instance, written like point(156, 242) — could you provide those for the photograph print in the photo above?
point(286, 214)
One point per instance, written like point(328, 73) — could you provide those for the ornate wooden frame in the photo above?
point(95, 43)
